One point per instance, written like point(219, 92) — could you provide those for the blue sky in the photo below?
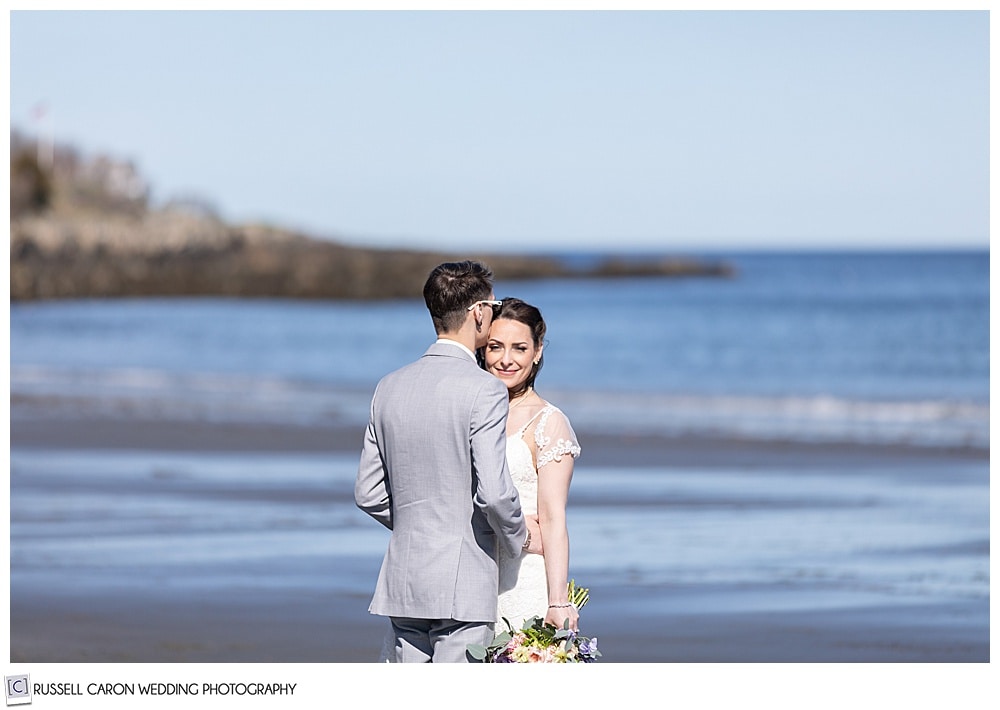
point(536, 130)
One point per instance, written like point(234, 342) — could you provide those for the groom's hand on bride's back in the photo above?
point(535, 546)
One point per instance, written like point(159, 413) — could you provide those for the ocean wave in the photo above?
point(148, 393)
point(798, 418)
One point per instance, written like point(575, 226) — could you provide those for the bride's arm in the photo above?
point(553, 491)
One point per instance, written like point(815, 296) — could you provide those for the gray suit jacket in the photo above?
point(434, 471)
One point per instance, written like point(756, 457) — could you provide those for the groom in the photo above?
point(433, 470)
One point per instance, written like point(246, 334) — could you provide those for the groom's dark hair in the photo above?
point(451, 288)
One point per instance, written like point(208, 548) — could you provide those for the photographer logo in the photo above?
point(18, 689)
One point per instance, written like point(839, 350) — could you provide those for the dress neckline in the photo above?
point(519, 434)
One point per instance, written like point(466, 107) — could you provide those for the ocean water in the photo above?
point(815, 347)
point(883, 347)
point(181, 522)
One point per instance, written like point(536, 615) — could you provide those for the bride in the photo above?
point(541, 448)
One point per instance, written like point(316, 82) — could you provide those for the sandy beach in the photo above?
point(251, 567)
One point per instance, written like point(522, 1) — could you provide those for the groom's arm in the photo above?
point(371, 488)
point(495, 493)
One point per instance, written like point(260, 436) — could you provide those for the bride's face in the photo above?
point(510, 351)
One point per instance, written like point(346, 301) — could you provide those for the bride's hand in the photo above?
point(535, 547)
point(557, 616)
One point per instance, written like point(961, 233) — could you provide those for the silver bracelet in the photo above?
point(560, 606)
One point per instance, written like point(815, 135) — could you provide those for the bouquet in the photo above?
point(538, 642)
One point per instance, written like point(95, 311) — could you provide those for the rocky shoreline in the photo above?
point(173, 253)
point(82, 227)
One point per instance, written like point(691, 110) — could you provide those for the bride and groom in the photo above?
point(470, 469)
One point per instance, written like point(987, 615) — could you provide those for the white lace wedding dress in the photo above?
point(523, 589)
point(523, 592)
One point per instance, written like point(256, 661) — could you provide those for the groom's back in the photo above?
point(425, 416)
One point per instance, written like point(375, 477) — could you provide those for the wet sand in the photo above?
point(255, 627)
point(632, 449)
point(184, 620)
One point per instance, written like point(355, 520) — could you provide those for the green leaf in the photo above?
point(530, 622)
point(477, 651)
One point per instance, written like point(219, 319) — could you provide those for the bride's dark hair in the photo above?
point(516, 309)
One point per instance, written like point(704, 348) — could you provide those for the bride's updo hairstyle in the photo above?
point(516, 309)
point(451, 288)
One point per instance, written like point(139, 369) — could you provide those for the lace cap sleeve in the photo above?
point(554, 437)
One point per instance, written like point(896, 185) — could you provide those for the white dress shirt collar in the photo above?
point(448, 341)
